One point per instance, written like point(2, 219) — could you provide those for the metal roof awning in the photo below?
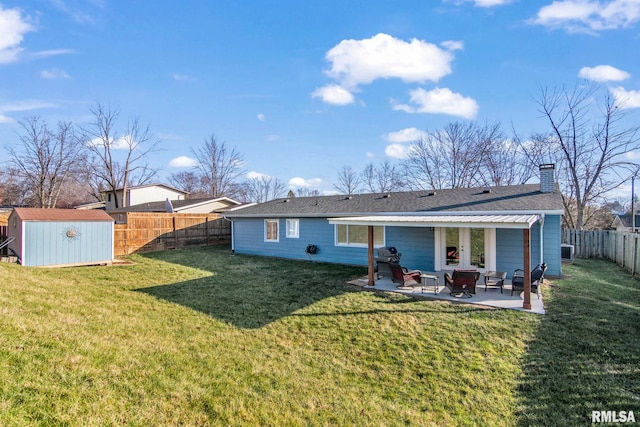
point(521, 221)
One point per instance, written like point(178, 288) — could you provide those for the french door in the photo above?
point(466, 248)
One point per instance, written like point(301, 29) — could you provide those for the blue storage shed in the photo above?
point(61, 237)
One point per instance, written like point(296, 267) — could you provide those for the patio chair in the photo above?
point(537, 276)
point(404, 277)
point(462, 281)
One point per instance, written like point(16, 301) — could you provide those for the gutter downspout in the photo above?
point(541, 238)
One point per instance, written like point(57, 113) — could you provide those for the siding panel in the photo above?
point(509, 247)
point(416, 244)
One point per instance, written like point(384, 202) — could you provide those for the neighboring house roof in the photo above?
point(506, 199)
point(178, 205)
point(136, 187)
point(624, 220)
point(93, 205)
point(39, 214)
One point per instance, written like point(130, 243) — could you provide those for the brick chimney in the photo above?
point(547, 178)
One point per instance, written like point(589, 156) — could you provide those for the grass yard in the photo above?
point(203, 337)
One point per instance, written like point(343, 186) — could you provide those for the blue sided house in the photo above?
point(487, 229)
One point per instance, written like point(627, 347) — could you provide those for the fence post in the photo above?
point(624, 246)
point(635, 255)
point(175, 233)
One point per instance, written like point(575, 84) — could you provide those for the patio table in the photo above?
point(494, 278)
point(424, 281)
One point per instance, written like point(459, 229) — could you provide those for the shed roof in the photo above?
point(39, 214)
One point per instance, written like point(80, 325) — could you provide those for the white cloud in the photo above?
point(589, 15)
point(488, 3)
point(440, 100)
point(273, 137)
point(491, 3)
point(257, 175)
point(13, 27)
point(626, 98)
point(603, 73)
point(453, 45)
point(261, 117)
point(298, 182)
point(182, 77)
point(121, 143)
point(183, 162)
point(334, 94)
point(369, 155)
point(54, 73)
point(21, 106)
point(80, 16)
point(358, 62)
point(397, 151)
point(632, 155)
point(405, 135)
point(49, 53)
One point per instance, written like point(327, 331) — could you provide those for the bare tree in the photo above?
point(505, 163)
point(263, 188)
point(221, 166)
point(589, 143)
point(382, 178)
point(14, 191)
point(453, 157)
point(306, 192)
point(44, 158)
point(348, 181)
point(189, 181)
point(119, 159)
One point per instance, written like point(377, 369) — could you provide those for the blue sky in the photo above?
point(302, 88)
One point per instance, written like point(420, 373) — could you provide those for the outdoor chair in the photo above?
point(462, 281)
point(404, 277)
point(537, 276)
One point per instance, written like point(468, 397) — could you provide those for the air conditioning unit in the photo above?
point(567, 252)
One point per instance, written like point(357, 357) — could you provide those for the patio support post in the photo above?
point(526, 246)
point(371, 281)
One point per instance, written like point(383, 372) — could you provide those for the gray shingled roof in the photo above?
point(514, 198)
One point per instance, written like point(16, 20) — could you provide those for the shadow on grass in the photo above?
point(586, 354)
point(249, 291)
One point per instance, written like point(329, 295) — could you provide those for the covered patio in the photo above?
point(492, 297)
point(485, 221)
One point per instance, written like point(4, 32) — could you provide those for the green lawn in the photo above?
point(204, 337)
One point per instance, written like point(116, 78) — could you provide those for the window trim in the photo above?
point(295, 221)
point(266, 230)
point(359, 245)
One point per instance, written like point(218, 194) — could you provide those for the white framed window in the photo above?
point(271, 232)
point(356, 235)
point(293, 228)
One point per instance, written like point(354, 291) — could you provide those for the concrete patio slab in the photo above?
point(489, 298)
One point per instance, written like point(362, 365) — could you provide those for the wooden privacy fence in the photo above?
point(621, 247)
point(147, 232)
